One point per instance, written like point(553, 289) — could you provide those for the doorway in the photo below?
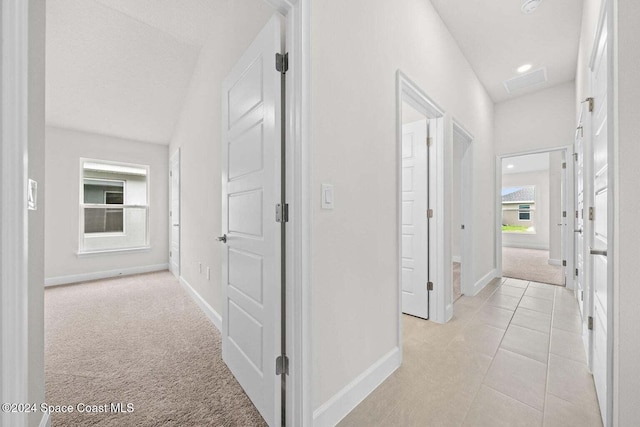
point(535, 243)
point(462, 215)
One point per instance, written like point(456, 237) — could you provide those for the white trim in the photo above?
point(113, 251)
point(13, 198)
point(211, 314)
point(536, 246)
point(552, 261)
point(46, 420)
point(484, 281)
point(339, 405)
point(85, 277)
point(175, 155)
point(456, 258)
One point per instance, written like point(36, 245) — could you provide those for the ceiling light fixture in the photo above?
point(524, 68)
point(529, 6)
point(509, 166)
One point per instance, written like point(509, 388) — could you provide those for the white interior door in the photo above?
point(174, 215)
point(578, 217)
point(251, 189)
point(415, 239)
point(598, 238)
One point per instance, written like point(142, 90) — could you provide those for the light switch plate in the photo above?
point(327, 196)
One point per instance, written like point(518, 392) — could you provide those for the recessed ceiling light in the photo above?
point(509, 166)
point(524, 68)
point(529, 6)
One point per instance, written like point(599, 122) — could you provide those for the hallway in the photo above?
point(510, 356)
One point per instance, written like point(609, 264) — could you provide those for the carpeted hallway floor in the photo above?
point(530, 264)
point(138, 340)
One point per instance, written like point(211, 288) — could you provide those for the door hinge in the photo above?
point(576, 272)
point(581, 295)
point(592, 214)
point(564, 165)
point(282, 212)
point(462, 227)
point(282, 62)
point(575, 156)
point(564, 214)
point(590, 323)
point(282, 365)
point(576, 214)
point(429, 213)
point(429, 286)
point(170, 173)
point(170, 254)
point(591, 102)
point(429, 141)
point(564, 262)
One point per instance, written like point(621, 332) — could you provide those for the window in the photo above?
point(113, 206)
point(524, 212)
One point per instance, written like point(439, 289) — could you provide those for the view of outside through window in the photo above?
point(114, 206)
point(518, 209)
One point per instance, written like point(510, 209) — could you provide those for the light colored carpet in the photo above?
point(530, 264)
point(457, 293)
point(140, 340)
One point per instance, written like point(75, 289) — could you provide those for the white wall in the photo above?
point(64, 148)
point(357, 46)
point(626, 232)
point(36, 231)
point(543, 119)
point(539, 240)
point(198, 135)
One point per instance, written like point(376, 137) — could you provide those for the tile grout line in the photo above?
point(496, 352)
point(546, 383)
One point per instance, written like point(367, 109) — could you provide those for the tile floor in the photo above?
point(511, 356)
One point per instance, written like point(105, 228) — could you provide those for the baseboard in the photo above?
point(343, 402)
point(45, 421)
point(85, 277)
point(456, 258)
point(525, 246)
point(484, 281)
point(211, 314)
point(555, 262)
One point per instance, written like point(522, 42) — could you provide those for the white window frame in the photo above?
point(522, 210)
point(82, 235)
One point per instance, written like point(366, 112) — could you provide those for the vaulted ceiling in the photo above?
point(496, 37)
point(122, 67)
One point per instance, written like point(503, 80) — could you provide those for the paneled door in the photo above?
point(598, 216)
point(251, 189)
point(415, 238)
point(174, 215)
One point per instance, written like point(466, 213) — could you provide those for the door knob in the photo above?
point(602, 252)
point(222, 238)
point(578, 230)
point(176, 225)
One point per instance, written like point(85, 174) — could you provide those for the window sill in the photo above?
point(113, 251)
point(528, 233)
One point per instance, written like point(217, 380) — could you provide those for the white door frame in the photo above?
point(461, 135)
point(13, 199)
point(15, 28)
point(567, 201)
point(408, 91)
point(298, 193)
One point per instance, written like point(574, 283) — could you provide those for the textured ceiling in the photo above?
point(496, 37)
point(122, 68)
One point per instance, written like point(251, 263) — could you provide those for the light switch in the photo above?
point(327, 196)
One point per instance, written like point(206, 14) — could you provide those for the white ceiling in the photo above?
point(122, 68)
point(526, 163)
point(496, 37)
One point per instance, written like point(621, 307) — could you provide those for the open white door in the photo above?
point(599, 217)
point(174, 214)
point(415, 238)
point(251, 189)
